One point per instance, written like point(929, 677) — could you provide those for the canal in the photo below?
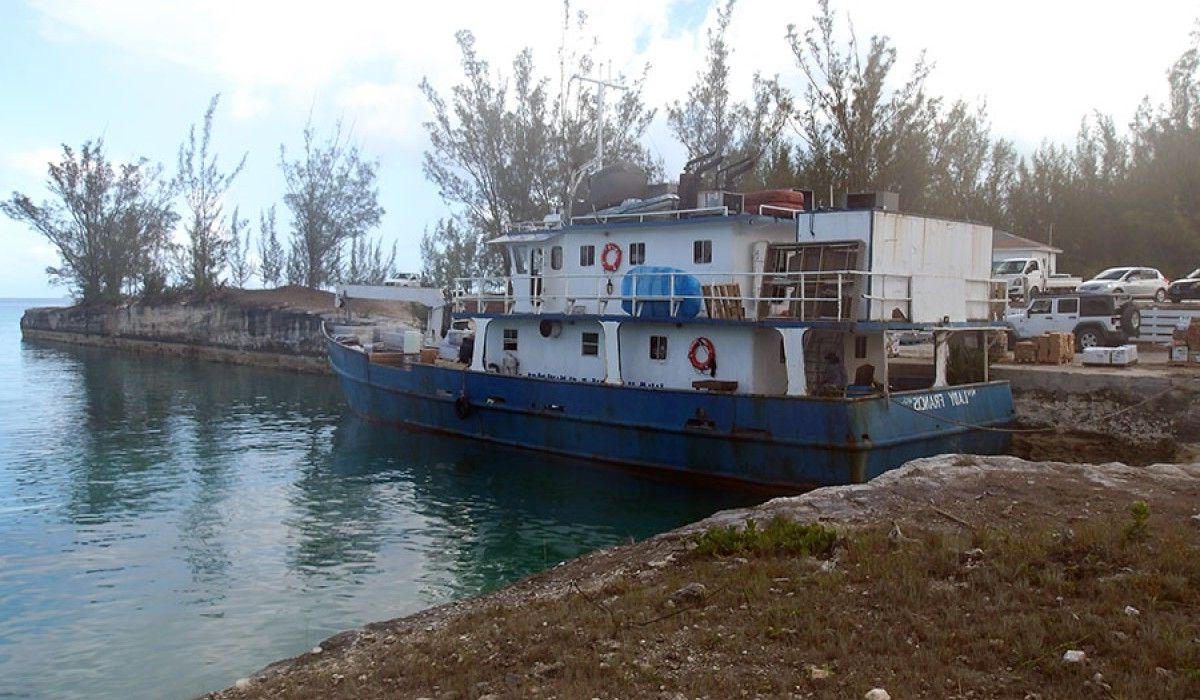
point(167, 526)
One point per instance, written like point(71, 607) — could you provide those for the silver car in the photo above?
point(1137, 282)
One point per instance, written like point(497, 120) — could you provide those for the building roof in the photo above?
point(1003, 240)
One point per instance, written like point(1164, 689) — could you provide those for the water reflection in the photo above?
point(196, 521)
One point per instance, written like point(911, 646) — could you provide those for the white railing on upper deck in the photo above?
point(650, 215)
point(845, 295)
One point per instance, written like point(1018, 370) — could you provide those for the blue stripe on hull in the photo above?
point(762, 439)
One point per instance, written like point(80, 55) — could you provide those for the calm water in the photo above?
point(168, 526)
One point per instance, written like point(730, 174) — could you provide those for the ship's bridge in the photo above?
point(837, 265)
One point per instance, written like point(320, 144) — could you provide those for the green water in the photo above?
point(168, 526)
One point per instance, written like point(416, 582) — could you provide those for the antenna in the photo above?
point(601, 86)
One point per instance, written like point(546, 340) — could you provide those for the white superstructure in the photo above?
point(638, 299)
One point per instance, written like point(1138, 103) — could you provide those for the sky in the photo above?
point(139, 72)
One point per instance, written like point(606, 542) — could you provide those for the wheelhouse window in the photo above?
point(701, 252)
point(510, 339)
point(637, 253)
point(589, 345)
point(587, 255)
point(658, 347)
point(556, 258)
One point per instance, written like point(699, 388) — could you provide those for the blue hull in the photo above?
point(777, 441)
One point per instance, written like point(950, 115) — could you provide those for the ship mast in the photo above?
point(596, 162)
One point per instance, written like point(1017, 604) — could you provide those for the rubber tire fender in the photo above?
point(462, 407)
point(1131, 321)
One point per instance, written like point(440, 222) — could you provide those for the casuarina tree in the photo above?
point(203, 185)
point(333, 197)
point(109, 223)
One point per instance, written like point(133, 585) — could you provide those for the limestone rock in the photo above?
point(1074, 656)
point(691, 594)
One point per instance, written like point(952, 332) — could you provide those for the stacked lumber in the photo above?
point(1025, 352)
point(724, 301)
point(1049, 349)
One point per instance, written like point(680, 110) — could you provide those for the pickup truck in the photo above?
point(1027, 277)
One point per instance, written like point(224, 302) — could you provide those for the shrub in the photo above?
point(780, 535)
point(1139, 516)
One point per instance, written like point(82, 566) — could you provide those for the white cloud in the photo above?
point(1040, 65)
point(31, 165)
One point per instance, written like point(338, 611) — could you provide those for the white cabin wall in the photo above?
point(558, 358)
point(668, 246)
point(770, 368)
point(740, 357)
point(940, 256)
point(874, 355)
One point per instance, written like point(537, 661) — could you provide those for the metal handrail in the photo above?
point(469, 290)
point(641, 216)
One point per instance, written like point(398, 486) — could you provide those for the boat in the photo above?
point(715, 343)
point(780, 203)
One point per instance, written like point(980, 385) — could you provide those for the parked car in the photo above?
point(1186, 288)
point(1137, 282)
point(1095, 319)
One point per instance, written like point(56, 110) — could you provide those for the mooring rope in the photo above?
point(1047, 429)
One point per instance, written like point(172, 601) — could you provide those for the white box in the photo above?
point(1097, 356)
point(406, 341)
point(1179, 353)
point(1123, 356)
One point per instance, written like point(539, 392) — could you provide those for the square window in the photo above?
point(637, 253)
point(510, 338)
point(658, 347)
point(556, 258)
point(702, 252)
point(590, 344)
point(587, 255)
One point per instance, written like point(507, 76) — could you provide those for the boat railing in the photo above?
point(807, 295)
point(640, 217)
point(778, 211)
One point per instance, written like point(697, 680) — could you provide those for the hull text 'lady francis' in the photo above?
point(743, 336)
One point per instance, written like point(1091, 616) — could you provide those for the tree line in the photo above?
point(506, 146)
point(510, 145)
point(114, 224)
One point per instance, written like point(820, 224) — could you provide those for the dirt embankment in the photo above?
point(952, 577)
point(1162, 425)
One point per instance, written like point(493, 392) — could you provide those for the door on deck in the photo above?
point(536, 259)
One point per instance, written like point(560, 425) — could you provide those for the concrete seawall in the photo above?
point(220, 331)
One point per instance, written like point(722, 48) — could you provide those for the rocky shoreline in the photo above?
point(612, 624)
point(279, 328)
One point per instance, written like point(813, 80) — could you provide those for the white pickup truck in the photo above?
point(1026, 277)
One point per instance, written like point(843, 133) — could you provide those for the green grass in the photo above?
point(779, 536)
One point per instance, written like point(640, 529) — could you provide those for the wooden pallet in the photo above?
point(723, 301)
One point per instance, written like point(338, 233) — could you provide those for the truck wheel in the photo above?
point(1160, 296)
point(1089, 335)
point(1131, 321)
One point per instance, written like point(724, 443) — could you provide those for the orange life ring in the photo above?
point(709, 363)
point(613, 249)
